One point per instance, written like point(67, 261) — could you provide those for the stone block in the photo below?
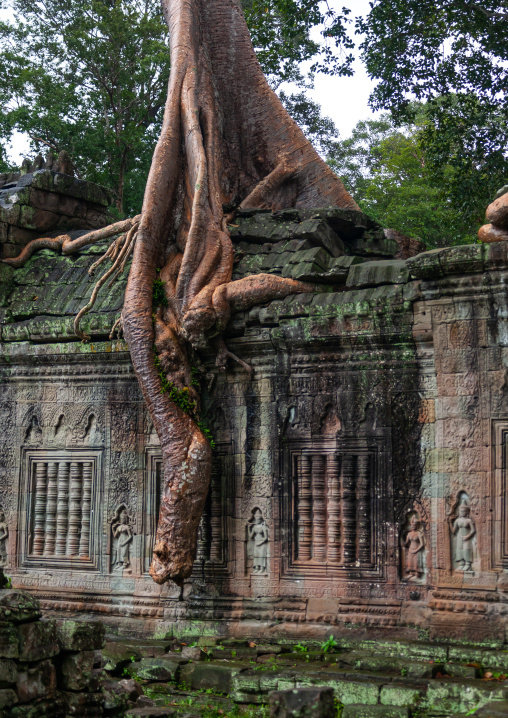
point(400, 695)
point(20, 236)
point(44, 708)
point(463, 259)
point(36, 681)
point(426, 265)
point(76, 671)
point(8, 672)
point(8, 698)
point(18, 606)
point(153, 669)
point(374, 244)
point(117, 655)
point(204, 675)
point(320, 233)
point(9, 641)
point(318, 608)
point(496, 256)
point(302, 703)
point(496, 709)
point(67, 185)
point(193, 653)
point(37, 219)
point(350, 691)
point(149, 712)
point(367, 274)
point(37, 640)
point(81, 635)
point(359, 711)
point(349, 224)
point(117, 694)
point(83, 705)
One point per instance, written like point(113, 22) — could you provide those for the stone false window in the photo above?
point(61, 527)
point(211, 548)
point(331, 514)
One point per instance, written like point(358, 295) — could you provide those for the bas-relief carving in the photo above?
point(121, 539)
point(33, 433)
point(4, 535)
point(413, 549)
point(463, 530)
point(258, 539)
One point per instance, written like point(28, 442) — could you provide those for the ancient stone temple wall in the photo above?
point(359, 477)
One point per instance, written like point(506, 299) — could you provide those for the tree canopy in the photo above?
point(452, 55)
point(386, 168)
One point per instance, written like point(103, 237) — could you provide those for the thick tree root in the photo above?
point(68, 245)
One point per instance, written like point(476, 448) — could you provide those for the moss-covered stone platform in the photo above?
point(369, 678)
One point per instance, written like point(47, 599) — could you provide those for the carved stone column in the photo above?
point(75, 487)
point(41, 478)
point(215, 545)
point(62, 517)
point(349, 508)
point(363, 496)
point(318, 507)
point(333, 472)
point(50, 528)
point(304, 510)
point(84, 541)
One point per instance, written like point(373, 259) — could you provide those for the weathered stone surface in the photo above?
point(45, 708)
point(117, 655)
point(76, 671)
point(37, 640)
point(80, 635)
point(153, 669)
point(18, 606)
point(302, 703)
point(499, 709)
point(119, 694)
point(204, 675)
point(401, 695)
point(7, 698)
point(372, 273)
point(83, 705)
point(36, 681)
point(9, 641)
point(359, 711)
point(149, 712)
point(8, 672)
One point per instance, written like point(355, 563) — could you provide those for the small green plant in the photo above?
point(300, 648)
point(158, 294)
point(181, 397)
point(329, 645)
point(403, 671)
point(233, 654)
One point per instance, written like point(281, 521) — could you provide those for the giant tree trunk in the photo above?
point(226, 142)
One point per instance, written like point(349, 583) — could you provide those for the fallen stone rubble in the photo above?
point(66, 668)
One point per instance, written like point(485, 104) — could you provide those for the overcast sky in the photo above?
point(344, 99)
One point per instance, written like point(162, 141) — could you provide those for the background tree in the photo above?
point(90, 77)
point(453, 55)
point(386, 168)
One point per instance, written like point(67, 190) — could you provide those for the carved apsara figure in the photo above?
point(122, 538)
point(4, 534)
point(258, 539)
point(414, 543)
point(464, 529)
